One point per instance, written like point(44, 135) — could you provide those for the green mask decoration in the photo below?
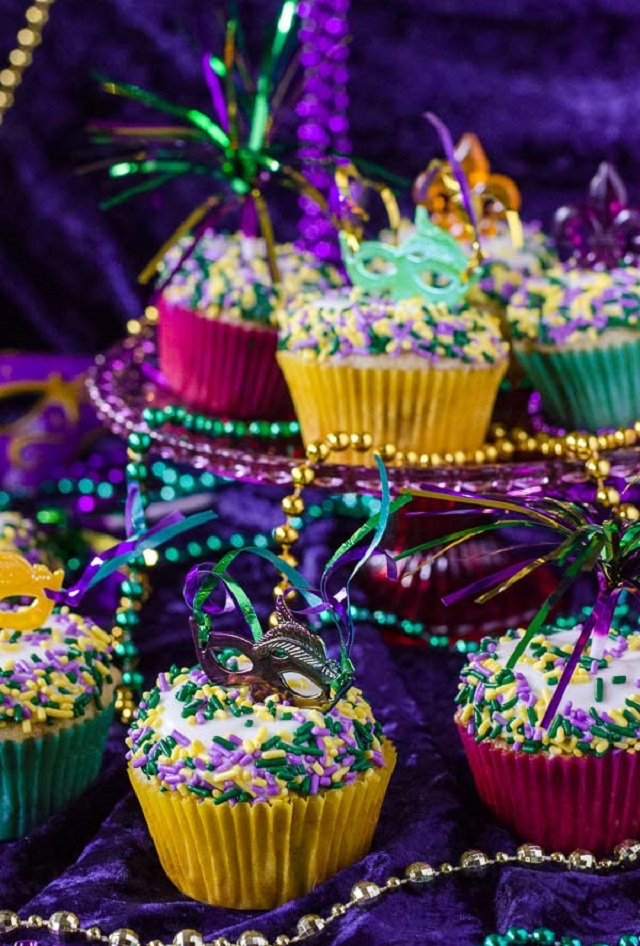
point(430, 264)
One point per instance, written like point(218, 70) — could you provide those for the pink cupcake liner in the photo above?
point(221, 367)
point(560, 803)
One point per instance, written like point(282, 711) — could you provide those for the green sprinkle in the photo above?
point(599, 694)
point(225, 743)
point(312, 750)
point(199, 790)
point(153, 699)
point(190, 709)
point(619, 679)
point(270, 743)
point(269, 763)
point(249, 722)
point(584, 746)
point(226, 796)
point(554, 727)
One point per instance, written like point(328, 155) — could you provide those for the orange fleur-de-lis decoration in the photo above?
point(495, 196)
point(19, 579)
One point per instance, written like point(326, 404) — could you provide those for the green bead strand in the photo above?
point(176, 415)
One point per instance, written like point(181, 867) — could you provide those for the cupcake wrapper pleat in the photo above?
point(587, 389)
point(561, 803)
point(428, 410)
point(254, 857)
point(38, 776)
point(220, 367)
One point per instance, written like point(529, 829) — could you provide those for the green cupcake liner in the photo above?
point(587, 389)
point(38, 776)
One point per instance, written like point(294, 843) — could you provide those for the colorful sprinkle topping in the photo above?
point(600, 710)
point(350, 322)
point(194, 737)
point(568, 305)
point(228, 277)
point(53, 673)
point(505, 266)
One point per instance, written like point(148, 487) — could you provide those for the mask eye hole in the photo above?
point(434, 280)
point(301, 685)
point(233, 660)
point(13, 407)
point(17, 602)
point(379, 266)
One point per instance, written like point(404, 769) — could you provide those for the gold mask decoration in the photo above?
point(495, 196)
point(20, 579)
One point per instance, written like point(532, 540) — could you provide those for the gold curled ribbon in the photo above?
point(495, 196)
point(191, 221)
point(291, 177)
point(353, 225)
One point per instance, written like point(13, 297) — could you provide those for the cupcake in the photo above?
point(575, 332)
point(261, 771)
point(505, 265)
point(576, 783)
point(252, 802)
point(57, 687)
point(217, 331)
point(421, 376)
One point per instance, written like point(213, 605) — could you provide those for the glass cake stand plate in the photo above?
point(125, 380)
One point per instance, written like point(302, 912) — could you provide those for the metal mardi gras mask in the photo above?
point(20, 579)
point(430, 264)
point(495, 196)
point(288, 659)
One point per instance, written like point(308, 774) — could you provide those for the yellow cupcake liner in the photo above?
point(255, 857)
point(426, 409)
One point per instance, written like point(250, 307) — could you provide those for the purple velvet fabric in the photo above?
point(551, 88)
point(97, 859)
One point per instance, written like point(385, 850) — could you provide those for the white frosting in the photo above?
point(500, 249)
point(581, 695)
point(24, 649)
point(170, 710)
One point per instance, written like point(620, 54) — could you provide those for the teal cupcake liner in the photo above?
point(587, 389)
point(38, 776)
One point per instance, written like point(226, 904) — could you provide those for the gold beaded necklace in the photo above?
point(29, 36)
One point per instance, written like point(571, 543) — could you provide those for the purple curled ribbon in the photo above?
point(140, 537)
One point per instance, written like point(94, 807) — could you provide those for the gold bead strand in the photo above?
point(303, 475)
point(29, 36)
point(419, 875)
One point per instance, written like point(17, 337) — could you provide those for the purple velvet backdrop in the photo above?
point(551, 89)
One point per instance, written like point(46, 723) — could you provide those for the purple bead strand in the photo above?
point(322, 109)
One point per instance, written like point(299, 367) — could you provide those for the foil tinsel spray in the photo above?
point(322, 110)
point(582, 539)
